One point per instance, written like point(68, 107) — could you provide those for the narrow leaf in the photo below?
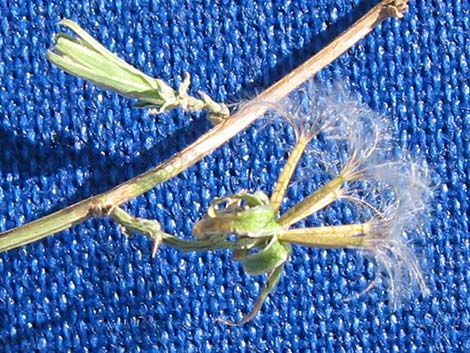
point(269, 286)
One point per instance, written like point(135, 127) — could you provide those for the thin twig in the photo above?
point(101, 204)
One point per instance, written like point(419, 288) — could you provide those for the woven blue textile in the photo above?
point(62, 140)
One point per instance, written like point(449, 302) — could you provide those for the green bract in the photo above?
point(270, 257)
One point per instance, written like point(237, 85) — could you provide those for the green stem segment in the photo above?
point(41, 228)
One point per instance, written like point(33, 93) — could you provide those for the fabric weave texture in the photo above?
point(62, 140)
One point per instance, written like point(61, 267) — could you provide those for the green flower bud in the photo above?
point(85, 57)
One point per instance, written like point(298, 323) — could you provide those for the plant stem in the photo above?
point(97, 205)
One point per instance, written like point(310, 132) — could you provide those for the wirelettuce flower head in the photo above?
point(387, 186)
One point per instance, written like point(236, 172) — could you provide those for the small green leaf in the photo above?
point(85, 57)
